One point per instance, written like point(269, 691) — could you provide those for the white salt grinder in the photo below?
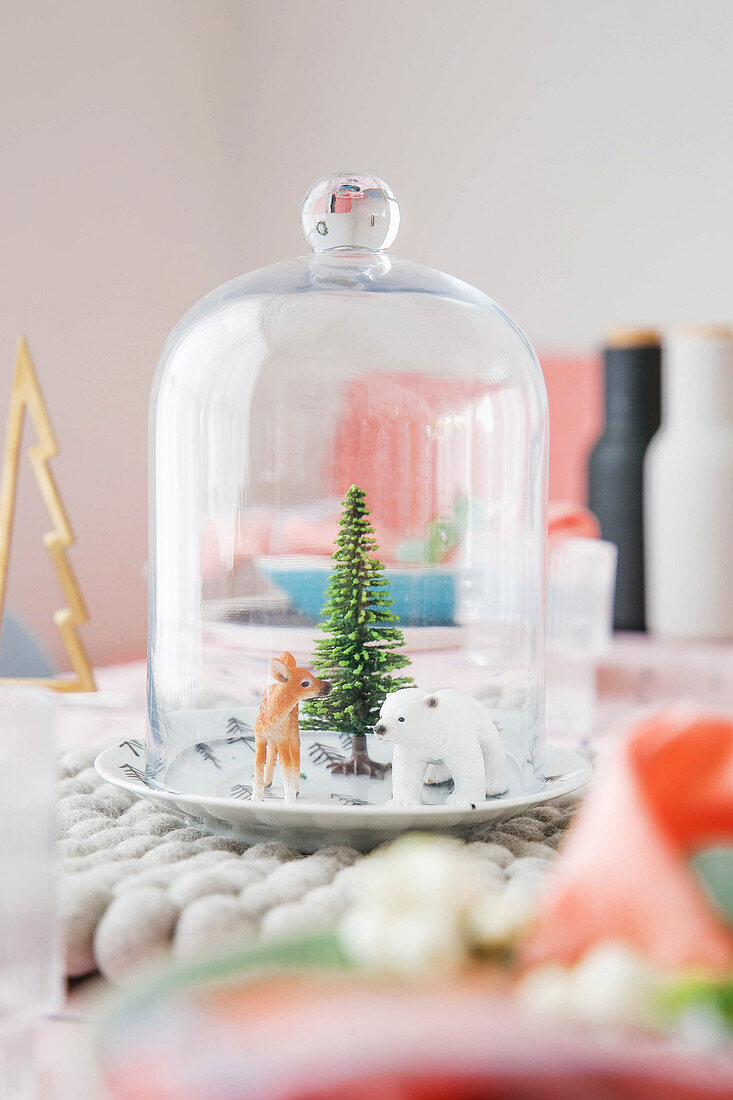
point(688, 490)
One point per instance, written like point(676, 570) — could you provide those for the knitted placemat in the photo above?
point(137, 881)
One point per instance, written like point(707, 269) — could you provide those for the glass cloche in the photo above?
point(349, 484)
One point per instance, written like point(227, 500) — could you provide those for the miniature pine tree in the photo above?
point(361, 649)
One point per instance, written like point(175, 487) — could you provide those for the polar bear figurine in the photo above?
point(447, 727)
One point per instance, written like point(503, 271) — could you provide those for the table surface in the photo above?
point(637, 672)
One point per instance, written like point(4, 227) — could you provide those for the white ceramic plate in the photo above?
point(310, 825)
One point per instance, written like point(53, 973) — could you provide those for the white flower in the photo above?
point(499, 918)
point(614, 985)
point(413, 906)
point(426, 903)
point(611, 985)
point(545, 990)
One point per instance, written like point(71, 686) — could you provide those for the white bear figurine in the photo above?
point(447, 727)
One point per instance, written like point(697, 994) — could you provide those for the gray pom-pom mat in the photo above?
point(136, 881)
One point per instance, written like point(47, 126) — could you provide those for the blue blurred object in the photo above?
point(20, 654)
point(421, 596)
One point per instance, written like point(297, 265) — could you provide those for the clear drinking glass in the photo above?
point(580, 596)
point(30, 978)
point(273, 396)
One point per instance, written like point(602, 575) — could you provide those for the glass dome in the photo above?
point(348, 491)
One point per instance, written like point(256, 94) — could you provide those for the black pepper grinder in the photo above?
point(632, 367)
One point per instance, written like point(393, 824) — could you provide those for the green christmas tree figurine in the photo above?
point(362, 649)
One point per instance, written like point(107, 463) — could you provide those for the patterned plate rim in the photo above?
point(575, 773)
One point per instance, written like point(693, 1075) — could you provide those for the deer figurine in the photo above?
point(277, 732)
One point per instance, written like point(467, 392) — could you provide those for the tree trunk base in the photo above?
point(360, 763)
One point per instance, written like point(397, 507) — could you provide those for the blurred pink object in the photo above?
point(667, 791)
point(567, 520)
point(574, 391)
point(330, 1036)
point(382, 440)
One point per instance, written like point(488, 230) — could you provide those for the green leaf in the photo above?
point(693, 992)
point(714, 868)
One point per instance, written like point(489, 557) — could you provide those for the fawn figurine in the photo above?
point(277, 732)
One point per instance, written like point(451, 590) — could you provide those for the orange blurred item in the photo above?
point(623, 874)
point(568, 520)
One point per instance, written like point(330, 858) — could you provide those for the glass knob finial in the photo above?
point(350, 211)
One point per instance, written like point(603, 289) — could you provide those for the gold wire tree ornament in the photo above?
point(26, 397)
